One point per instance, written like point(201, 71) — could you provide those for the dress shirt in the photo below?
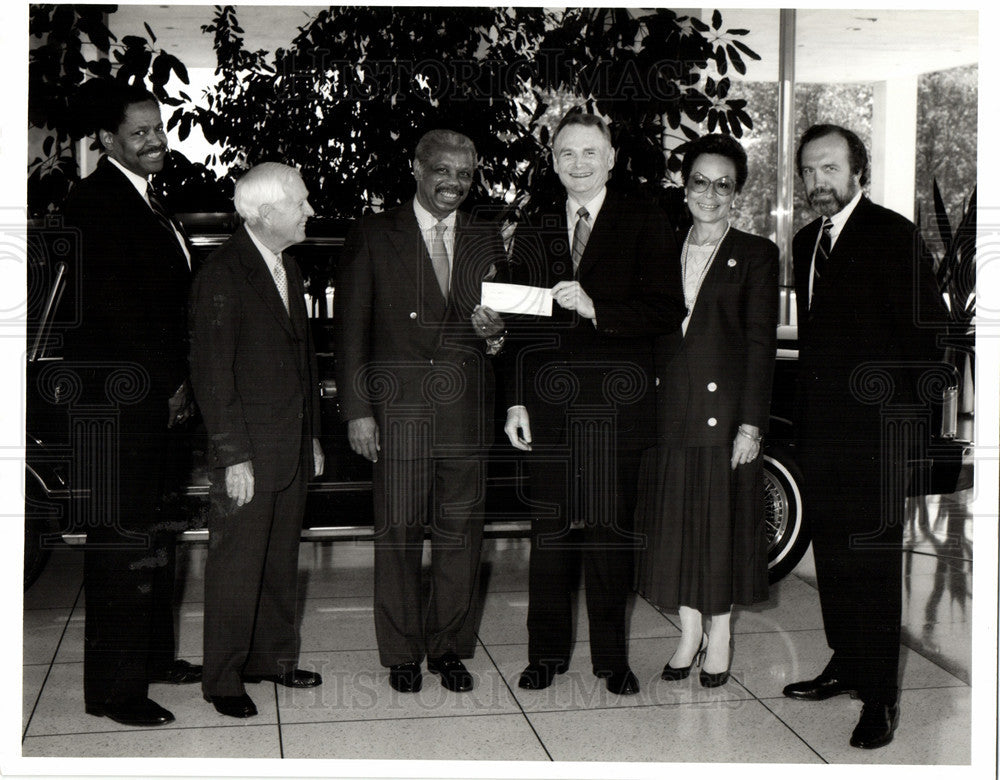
point(141, 185)
point(839, 220)
point(427, 223)
point(593, 209)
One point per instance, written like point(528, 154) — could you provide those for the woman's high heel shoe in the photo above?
point(675, 673)
point(715, 679)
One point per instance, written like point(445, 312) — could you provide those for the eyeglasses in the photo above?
point(723, 187)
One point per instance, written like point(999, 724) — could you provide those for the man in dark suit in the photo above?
point(867, 304)
point(253, 370)
point(130, 352)
point(416, 390)
point(582, 382)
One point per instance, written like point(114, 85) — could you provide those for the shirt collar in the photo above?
point(139, 182)
point(840, 218)
point(593, 206)
point(427, 221)
point(269, 257)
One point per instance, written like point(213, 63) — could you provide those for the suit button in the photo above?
point(300, 415)
point(432, 361)
point(657, 381)
point(712, 422)
point(712, 387)
point(413, 315)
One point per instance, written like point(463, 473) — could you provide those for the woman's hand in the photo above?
point(746, 445)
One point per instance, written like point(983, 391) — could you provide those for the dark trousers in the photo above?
point(855, 503)
point(598, 496)
point(129, 556)
point(251, 625)
point(410, 623)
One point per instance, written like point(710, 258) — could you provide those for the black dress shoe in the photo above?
point(298, 678)
point(178, 673)
point(822, 687)
point(454, 675)
point(405, 678)
point(241, 706)
point(876, 727)
point(535, 677)
point(140, 713)
point(620, 681)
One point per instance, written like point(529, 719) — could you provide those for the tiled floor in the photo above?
point(355, 714)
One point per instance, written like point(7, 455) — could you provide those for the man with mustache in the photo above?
point(416, 390)
point(254, 374)
point(868, 316)
point(130, 351)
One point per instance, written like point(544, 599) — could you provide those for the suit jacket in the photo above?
point(405, 355)
point(130, 281)
point(253, 367)
point(553, 365)
point(871, 330)
point(718, 375)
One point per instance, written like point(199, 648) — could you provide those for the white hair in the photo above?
point(264, 183)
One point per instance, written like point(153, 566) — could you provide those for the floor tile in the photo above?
point(505, 564)
point(947, 645)
point(32, 678)
point(485, 738)
point(356, 687)
point(43, 631)
point(766, 663)
point(579, 689)
point(333, 624)
point(60, 707)
point(934, 728)
point(239, 741)
point(336, 569)
point(723, 731)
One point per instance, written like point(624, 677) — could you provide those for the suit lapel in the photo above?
point(710, 288)
point(413, 259)
point(260, 280)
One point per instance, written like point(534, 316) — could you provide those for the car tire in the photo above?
point(788, 534)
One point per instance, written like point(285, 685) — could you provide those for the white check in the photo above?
point(517, 299)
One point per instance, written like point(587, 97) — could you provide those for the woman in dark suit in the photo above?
point(700, 500)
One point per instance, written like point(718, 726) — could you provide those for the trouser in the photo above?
point(408, 622)
point(251, 625)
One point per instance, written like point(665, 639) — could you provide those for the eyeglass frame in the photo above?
point(712, 184)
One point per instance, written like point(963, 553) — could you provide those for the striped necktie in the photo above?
point(439, 259)
point(580, 235)
point(821, 265)
point(162, 216)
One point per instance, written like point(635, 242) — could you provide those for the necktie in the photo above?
point(580, 235)
point(439, 258)
point(160, 211)
point(820, 267)
point(281, 281)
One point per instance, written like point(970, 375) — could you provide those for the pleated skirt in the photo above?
point(703, 525)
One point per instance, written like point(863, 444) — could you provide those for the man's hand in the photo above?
point(362, 433)
point(518, 427)
point(239, 482)
point(180, 406)
point(570, 295)
point(319, 459)
point(486, 322)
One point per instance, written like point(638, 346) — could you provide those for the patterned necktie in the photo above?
point(160, 211)
point(439, 258)
point(281, 281)
point(821, 265)
point(580, 235)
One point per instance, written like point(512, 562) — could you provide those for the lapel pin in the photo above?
point(732, 262)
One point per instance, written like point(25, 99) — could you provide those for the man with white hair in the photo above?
point(253, 370)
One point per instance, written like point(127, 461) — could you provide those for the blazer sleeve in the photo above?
point(354, 301)
point(760, 323)
point(655, 303)
point(215, 313)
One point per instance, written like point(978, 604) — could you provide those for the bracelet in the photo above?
point(758, 438)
